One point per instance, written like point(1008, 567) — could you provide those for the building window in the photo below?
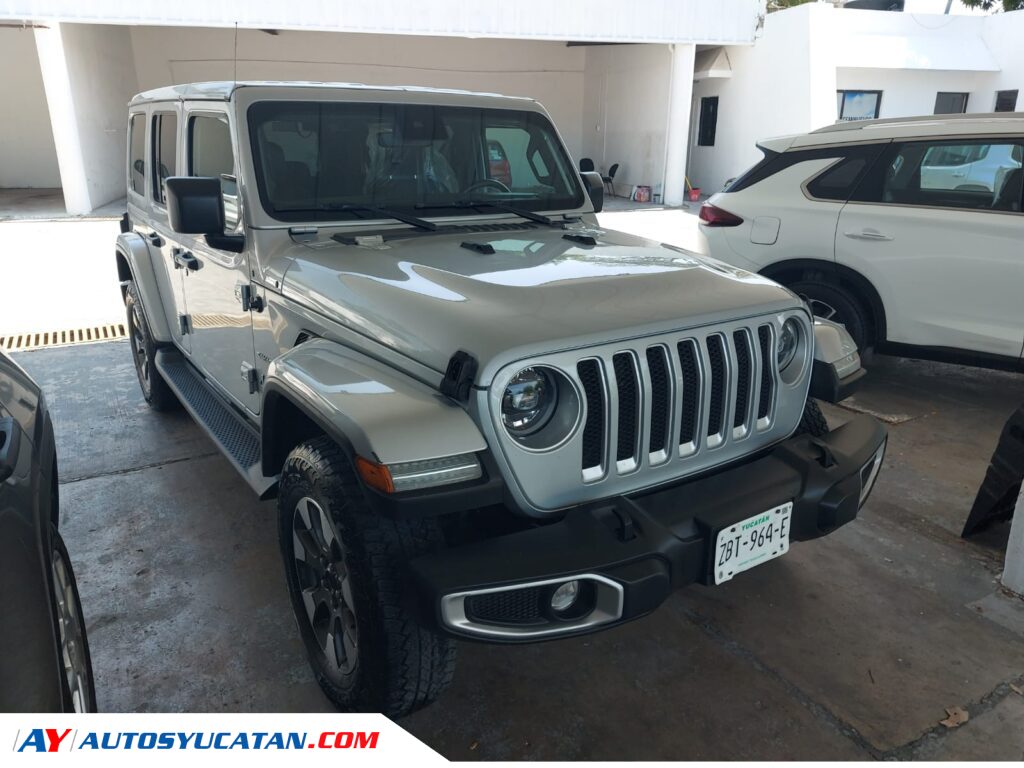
point(165, 137)
point(858, 105)
point(137, 157)
point(708, 121)
point(1006, 101)
point(950, 103)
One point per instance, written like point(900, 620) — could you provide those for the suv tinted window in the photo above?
point(976, 175)
point(165, 135)
point(137, 156)
point(838, 182)
point(209, 147)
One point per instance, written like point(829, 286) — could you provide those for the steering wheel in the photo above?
point(485, 183)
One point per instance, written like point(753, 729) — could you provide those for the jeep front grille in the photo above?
point(654, 410)
point(709, 380)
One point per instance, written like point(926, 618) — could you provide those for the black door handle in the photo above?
point(185, 260)
point(155, 240)
point(10, 442)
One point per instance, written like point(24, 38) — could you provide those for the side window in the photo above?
point(953, 175)
point(838, 182)
point(137, 155)
point(708, 126)
point(165, 136)
point(209, 147)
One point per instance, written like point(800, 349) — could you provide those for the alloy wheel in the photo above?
point(138, 342)
point(72, 639)
point(325, 586)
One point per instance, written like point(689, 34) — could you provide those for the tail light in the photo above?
point(713, 216)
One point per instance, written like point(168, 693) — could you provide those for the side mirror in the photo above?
point(595, 188)
point(195, 205)
point(229, 193)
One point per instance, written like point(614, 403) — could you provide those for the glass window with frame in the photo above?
point(210, 151)
point(950, 103)
point(165, 154)
point(858, 105)
point(1006, 101)
point(975, 175)
point(708, 126)
point(137, 153)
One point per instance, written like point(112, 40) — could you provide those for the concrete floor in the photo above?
point(47, 204)
point(849, 647)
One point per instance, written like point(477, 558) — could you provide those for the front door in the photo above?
point(945, 256)
point(221, 329)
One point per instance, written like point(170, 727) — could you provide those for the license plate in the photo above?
point(753, 541)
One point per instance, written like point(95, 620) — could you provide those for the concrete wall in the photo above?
point(28, 157)
point(907, 92)
point(775, 89)
point(1004, 35)
point(625, 111)
point(550, 72)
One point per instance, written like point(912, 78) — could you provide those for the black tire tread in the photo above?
point(160, 396)
point(813, 421)
point(417, 663)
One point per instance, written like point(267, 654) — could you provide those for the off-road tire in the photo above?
point(401, 665)
point(848, 309)
point(154, 389)
point(813, 420)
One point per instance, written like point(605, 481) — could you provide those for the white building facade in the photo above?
point(815, 63)
point(616, 77)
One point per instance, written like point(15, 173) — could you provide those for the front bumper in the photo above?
point(629, 553)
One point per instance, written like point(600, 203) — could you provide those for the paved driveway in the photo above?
point(850, 647)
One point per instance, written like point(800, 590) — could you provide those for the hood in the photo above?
point(427, 296)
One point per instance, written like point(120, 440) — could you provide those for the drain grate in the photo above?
point(19, 342)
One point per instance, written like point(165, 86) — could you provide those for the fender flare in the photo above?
point(135, 263)
point(369, 409)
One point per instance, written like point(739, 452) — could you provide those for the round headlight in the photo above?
point(528, 402)
point(789, 341)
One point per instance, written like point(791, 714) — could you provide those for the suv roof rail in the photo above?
point(856, 125)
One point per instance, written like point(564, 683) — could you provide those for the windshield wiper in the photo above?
point(540, 218)
point(405, 218)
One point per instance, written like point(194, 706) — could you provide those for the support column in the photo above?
point(677, 139)
point(57, 84)
point(89, 76)
point(1013, 569)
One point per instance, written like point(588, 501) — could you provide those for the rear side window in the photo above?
point(137, 155)
point(165, 136)
point(839, 181)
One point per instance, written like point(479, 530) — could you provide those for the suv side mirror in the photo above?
point(595, 188)
point(195, 205)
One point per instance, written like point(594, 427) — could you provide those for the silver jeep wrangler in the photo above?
point(482, 415)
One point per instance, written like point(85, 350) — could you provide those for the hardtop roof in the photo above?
point(223, 91)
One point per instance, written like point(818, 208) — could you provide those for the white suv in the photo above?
point(909, 231)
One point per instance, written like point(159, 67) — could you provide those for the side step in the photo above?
point(235, 437)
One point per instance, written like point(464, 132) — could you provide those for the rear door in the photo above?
point(153, 144)
point(222, 339)
point(945, 257)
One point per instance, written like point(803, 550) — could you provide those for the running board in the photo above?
point(235, 437)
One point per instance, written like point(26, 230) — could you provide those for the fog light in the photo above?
point(563, 598)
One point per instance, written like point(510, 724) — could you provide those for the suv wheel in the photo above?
point(80, 692)
point(154, 388)
point(834, 303)
point(346, 570)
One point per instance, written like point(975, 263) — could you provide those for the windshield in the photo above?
point(323, 161)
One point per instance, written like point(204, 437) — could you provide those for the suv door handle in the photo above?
point(185, 260)
point(867, 234)
point(10, 443)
